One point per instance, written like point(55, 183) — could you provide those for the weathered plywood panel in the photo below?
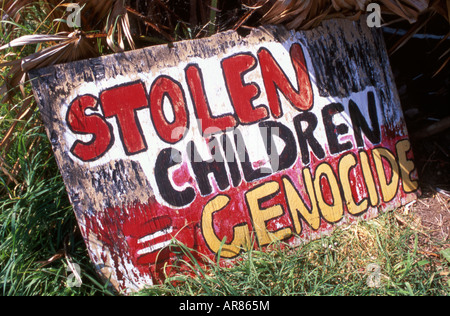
point(278, 135)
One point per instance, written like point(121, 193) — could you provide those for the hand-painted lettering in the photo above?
point(344, 169)
point(94, 124)
point(313, 201)
point(241, 93)
point(209, 124)
point(221, 146)
point(123, 102)
point(167, 89)
point(241, 240)
point(276, 80)
point(260, 215)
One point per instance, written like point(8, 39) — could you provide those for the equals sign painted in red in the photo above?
point(149, 241)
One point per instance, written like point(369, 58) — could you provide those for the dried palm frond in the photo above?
point(69, 47)
point(45, 50)
point(109, 16)
point(118, 19)
point(112, 17)
point(303, 14)
point(104, 23)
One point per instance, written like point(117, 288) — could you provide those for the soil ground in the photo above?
point(425, 96)
point(431, 212)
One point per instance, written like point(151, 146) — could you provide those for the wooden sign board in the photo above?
point(226, 142)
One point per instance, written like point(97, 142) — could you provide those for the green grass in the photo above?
point(335, 265)
point(37, 223)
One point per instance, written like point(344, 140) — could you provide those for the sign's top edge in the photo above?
point(275, 31)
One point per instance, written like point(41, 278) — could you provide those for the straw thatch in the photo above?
point(305, 14)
